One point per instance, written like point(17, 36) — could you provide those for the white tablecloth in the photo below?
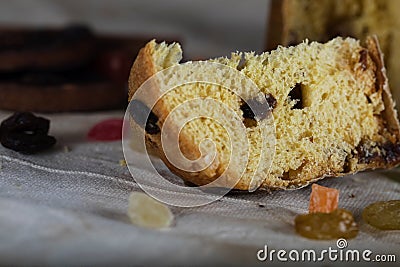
point(69, 208)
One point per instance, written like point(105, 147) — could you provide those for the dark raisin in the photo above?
point(346, 165)
point(271, 101)
point(388, 152)
point(363, 59)
point(151, 125)
point(144, 117)
point(366, 154)
point(297, 95)
point(247, 112)
point(391, 152)
point(258, 108)
point(285, 176)
point(26, 133)
point(25, 121)
point(249, 123)
point(27, 143)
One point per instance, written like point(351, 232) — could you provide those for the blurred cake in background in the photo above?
point(64, 69)
point(292, 21)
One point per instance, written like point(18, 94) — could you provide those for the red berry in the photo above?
point(107, 130)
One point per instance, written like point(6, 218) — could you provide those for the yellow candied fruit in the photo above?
point(147, 212)
point(325, 226)
point(384, 215)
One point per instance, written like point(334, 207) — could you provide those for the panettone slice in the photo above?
point(331, 105)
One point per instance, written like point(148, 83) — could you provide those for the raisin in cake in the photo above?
point(331, 104)
point(292, 21)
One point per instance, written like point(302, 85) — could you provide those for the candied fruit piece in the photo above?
point(107, 130)
point(323, 199)
point(147, 212)
point(384, 215)
point(325, 226)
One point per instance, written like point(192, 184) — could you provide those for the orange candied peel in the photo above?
point(324, 220)
point(323, 199)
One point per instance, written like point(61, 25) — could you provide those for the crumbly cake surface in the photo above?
point(332, 110)
point(292, 21)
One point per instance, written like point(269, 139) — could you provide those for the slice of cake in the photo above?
point(292, 21)
point(331, 105)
